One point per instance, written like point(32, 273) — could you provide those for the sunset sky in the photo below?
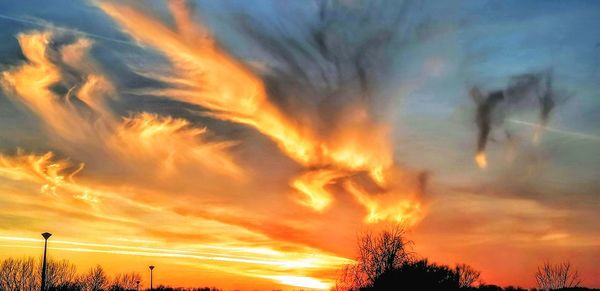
point(216, 141)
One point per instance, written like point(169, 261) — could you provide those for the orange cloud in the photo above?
point(206, 76)
point(132, 141)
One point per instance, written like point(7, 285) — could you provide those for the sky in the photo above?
point(229, 145)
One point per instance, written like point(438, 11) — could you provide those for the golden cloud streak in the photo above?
point(268, 262)
point(31, 82)
point(85, 247)
point(149, 146)
point(135, 140)
point(271, 261)
point(142, 138)
point(207, 76)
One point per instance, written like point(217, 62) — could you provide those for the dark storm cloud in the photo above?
point(346, 45)
point(522, 92)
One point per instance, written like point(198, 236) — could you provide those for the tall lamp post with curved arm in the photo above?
point(46, 235)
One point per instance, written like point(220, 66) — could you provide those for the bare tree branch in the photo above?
point(555, 276)
point(377, 254)
point(467, 276)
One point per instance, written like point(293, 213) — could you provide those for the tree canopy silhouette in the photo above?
point(556, 276)
point(377, 254)
point(417, 275)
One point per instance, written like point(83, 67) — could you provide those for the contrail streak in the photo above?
point(87, 34)
point(161, 252)
point(572, 133)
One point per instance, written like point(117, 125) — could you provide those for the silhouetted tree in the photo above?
point(467, 276)
point(19, 274)
point(377, 254)
point(125, 281)
point(95, 279)
point(61, 275)
point(551, 277)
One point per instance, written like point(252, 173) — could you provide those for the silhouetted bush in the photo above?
point(168, 288)
point(418, 275)
point(67, 286)
point(489, 288)
point(577, 289)
point(511, 288)
point(125, 282)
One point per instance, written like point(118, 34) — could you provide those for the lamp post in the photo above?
point(46, 235)
point(151, 268)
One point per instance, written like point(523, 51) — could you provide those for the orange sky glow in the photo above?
point(278, 206)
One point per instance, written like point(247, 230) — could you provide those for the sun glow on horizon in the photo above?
point(265, 261)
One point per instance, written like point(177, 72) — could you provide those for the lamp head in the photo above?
point(46, 235)
point(151, 267)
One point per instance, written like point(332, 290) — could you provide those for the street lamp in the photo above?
point(151, 268)
point(46, 235)
point(137, 288)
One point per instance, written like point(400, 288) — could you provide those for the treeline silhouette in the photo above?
point(385, 262)
point(167, 288)
point(24, 274)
